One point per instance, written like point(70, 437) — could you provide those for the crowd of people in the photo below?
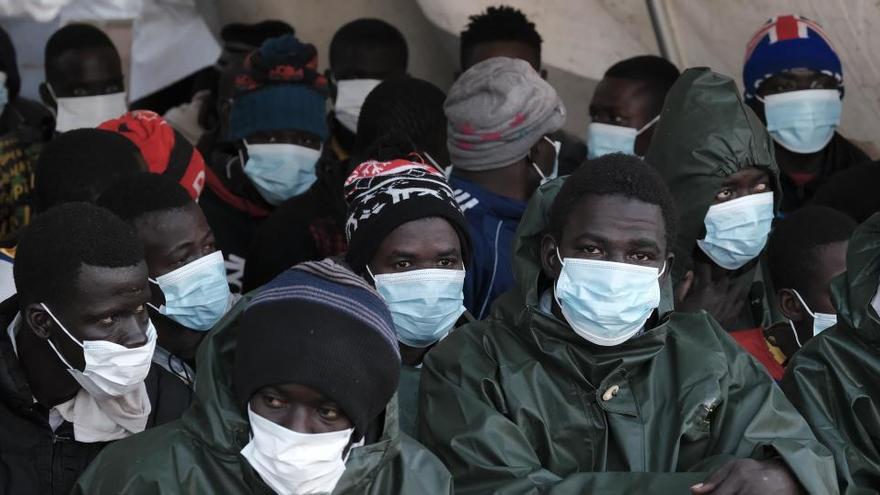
point(425, 292)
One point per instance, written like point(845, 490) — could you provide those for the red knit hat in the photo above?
point(165, 150)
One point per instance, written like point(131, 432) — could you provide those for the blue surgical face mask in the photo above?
point(424, 304)
point(803, 121)
point(604, 139)
point(196, 294)
point(557, 145)
point(821, 321)
point(606, 303)
point(281, 171)
point(736, 231)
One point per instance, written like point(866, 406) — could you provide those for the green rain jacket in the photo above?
point(835, 379)
point(200, 452)
point(518, 403)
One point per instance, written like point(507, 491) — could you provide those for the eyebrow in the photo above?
point(645, 242)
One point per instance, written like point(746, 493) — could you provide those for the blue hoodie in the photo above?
point(492, 220)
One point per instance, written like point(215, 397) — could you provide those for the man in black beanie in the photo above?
point(295, 395)
point(407, 236)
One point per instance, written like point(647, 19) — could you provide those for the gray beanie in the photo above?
point(497, 110)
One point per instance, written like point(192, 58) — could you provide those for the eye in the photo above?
point(402, 264)
point(641, 257)
point(591, 250)
point(210, 247)
point(140, 309)
point(447, 263)
point(760, 188)
point(329, 412)
point(724, 194)
point(618, 120)
point(273, 402)
point(106, 322)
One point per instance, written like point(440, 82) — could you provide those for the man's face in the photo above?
point(174, 238)
point(830, 261)
point(299, 408)
point(625, 103)
point(426, 243)
point(87, 72)
point(105, 304)
point(610, 228)
point(502, 48)
point(743, 183)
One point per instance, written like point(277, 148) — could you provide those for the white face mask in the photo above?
point(87, 111)
point(350, 97)
point(604, 139)
point(291, 462)
point(112, 370)
point(821, 321)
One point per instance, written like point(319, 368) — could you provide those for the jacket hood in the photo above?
point(853, 291)
point(706, 133)
point(217, 418)
point(527, 269)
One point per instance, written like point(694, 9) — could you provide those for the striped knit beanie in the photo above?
point(321, 326)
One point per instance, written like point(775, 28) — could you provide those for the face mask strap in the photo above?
point(794, 331)
point(558, 256)
point(648, 125)
point(804, 304)
point(57, 353)
point(538, 169)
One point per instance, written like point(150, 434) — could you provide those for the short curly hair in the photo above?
point(502, 23)
point(616, 174)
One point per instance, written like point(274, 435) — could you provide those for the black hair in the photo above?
point(502, 23)
point(369, 35)
point(79, 165)
point(136, 195)
point(254, 35)
point(616, 174)
point(9, 65)
point(852, 191)
point(73, 37)
point(58, 242)
point(408, 107)
point(796, 241)
point(657, 73)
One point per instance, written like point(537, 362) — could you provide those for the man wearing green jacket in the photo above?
point(582, 381)
point(833, 379)
point(295, 395)
point(717, 159)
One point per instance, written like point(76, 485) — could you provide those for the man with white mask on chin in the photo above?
point(75, 350)
point(84, 82)
point(363, 53)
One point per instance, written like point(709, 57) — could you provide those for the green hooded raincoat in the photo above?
point(835, 379)
point(520, 404)
point(200, 452)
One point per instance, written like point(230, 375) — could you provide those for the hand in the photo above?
point(748, 476)
point(714, 291)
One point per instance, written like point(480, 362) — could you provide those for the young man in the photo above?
point(504, 31)
point(833, 379)
point(794, 81)
point(363, 53)
point(187, 275)
point(582, 382)
point(311, 226)
point(500, 114)
point(717, 159)
point(278, 125)
point(164, 150)
point(286, 408)
point(75, 350)
point(84, 81)
point(627, 104)
point(25, 127)
point(407, 237)
point(806, 250)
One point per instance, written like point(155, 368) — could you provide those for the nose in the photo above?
point(299, 420)
point(135, 332)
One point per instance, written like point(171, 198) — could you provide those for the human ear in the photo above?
point(667, 270)
point(550, 264)
point(684, 286)
point(790, 305)
point(38, 320)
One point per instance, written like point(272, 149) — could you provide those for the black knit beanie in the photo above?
point(321, 326)
point(382, 196)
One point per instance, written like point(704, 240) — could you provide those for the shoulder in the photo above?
point(422, 468)
point(835, 355)
point(700, 339)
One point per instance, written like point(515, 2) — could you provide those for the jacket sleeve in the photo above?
point(827, 407)
point(756, 420)
point(487, 453)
